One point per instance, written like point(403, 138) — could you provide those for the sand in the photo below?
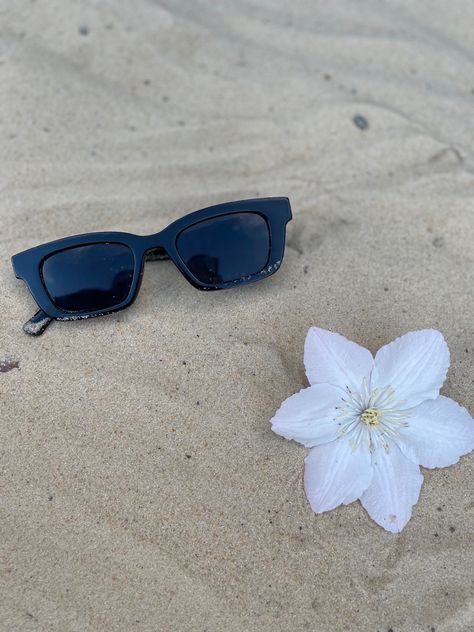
point(141, 486)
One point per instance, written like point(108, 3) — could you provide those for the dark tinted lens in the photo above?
point(89, 278)
point(225, 248)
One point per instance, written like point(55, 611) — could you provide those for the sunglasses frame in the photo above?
point(276, 211)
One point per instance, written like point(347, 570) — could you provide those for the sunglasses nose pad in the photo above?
point(157, 254)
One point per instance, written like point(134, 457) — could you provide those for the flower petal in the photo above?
point(439, 432)
point(331, 358)
point(309, 416)
point(335, 474)
point(394, 489)
point(414, 365)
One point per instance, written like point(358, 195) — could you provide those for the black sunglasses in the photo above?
point(98, 273)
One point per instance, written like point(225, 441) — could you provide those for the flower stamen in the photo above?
point(371, 417)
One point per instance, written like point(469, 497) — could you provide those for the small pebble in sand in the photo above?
point(7, 364)
point(84, 29)
point(360, 121)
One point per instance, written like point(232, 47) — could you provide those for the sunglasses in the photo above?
point(90, 275)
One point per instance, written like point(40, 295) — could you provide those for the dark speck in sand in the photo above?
point(452, 529)
point(146, 82)
point(188, 456)
point(438, 242)
point(7, 364)
point(84, 29)
point(360, 121)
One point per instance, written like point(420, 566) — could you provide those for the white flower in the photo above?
point(371, 422)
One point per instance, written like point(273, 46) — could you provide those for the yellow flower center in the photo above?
point(371, 416)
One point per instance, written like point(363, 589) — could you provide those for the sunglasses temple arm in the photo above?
point(37, 323)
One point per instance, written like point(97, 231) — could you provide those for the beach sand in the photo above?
point(141, 485)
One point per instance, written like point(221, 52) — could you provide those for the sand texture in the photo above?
point(141, 487)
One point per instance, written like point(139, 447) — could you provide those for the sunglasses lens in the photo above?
point(226, 248)
point(89, 278)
